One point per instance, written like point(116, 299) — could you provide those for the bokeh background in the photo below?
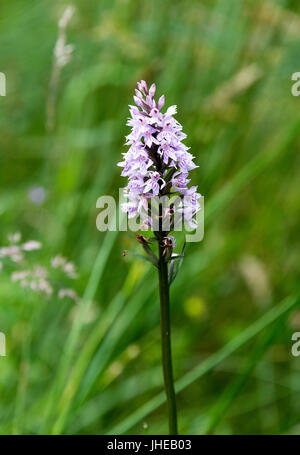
point(94, 366)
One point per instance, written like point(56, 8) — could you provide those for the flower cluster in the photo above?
point(157, 162)
point(36, 278)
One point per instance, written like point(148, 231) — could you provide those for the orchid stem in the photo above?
point(166, 341)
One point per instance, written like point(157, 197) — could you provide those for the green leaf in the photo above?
point(174, 270)
point(174, 258)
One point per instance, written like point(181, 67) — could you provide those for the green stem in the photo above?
point(166, 341)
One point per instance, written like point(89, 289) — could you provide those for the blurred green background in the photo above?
point(94, 367)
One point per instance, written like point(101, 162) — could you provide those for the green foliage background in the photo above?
point(95, 367)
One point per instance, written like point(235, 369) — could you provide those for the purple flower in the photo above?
point(157, 161)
